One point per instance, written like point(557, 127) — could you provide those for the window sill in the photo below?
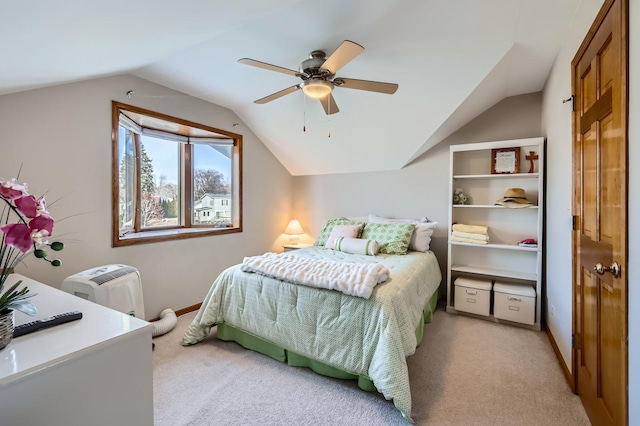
point(170, 235)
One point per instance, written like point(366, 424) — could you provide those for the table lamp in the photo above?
point(293, 230)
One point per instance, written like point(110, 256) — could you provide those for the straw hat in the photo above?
point(514, 198)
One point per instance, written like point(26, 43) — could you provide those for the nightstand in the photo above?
point(291, 247)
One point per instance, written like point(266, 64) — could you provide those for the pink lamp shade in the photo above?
point(293, 230)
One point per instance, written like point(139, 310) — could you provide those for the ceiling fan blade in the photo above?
point(266, 66)
point(277, 95)
point(343, 54)
point(329, 104)
point(371, 86)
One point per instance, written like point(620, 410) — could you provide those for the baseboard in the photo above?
point(182, 311)
point(567, 374)
point(188, 309)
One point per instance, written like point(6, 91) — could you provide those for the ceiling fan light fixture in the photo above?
point(317, 88)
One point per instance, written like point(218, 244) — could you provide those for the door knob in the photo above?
point(614, 269)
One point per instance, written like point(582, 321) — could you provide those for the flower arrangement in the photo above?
point(32, 226)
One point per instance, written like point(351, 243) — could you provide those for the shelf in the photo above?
point(499, 176)
point(488, 206)
point(469, 170)
point(495, 246)
point(494, 272)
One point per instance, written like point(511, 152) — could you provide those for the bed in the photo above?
point(333, 333)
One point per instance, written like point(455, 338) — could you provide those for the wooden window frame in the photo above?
point(186, 229)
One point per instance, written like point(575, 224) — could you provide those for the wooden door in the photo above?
point(600, 206)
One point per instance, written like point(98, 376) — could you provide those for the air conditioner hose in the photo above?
point(165, 324)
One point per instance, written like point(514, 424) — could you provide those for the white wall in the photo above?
point(420, 189)
point(62, 137)
point(556, 125)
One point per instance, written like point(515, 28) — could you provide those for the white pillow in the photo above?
point(351, 231)
point(379, 219)
point(421, 237)
point(357, 246)
point(358, 218)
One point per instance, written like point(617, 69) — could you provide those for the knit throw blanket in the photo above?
point(355, 279)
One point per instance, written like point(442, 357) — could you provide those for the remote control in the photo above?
point(32, 326)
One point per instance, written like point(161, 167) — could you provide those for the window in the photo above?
point(172, 178)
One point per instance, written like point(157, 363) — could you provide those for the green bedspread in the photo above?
point(370, 337)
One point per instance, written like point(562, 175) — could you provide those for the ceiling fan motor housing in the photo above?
point(312, 66)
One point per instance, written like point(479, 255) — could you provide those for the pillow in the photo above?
point(352, 231)
point(362, 219)
point(421, 237)
point(325, 232)
point(379, 219)
point(392, 238)
point(357, 246)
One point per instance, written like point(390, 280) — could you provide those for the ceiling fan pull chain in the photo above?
point(304, 113)
point(329, 118)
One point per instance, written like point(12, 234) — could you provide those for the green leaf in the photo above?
point(24, 306)
point(8, 295)
point(23, 296)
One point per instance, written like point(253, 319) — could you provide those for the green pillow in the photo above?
point(392, 238)
point(328, 227)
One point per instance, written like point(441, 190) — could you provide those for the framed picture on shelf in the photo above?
point(505, 160)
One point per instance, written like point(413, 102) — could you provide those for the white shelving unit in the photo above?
point(502, 259)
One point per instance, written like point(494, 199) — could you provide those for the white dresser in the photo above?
point(94, 371)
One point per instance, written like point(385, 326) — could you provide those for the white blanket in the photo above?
point(356, 279)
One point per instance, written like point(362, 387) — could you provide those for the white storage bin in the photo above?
point(473, 295)
point(513, 302)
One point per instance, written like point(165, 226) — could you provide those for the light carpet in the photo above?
point(466, 372)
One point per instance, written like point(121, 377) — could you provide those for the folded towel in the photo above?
point(468, 240)
point(481, 237)
point(473, 229)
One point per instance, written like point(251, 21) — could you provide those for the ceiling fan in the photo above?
point(318, 74)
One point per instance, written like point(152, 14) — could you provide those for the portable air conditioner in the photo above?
point(116, 286)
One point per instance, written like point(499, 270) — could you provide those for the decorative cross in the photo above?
point(532, 156)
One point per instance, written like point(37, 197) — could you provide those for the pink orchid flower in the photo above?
point(42, 223)
point(42, 207)
point(18, 235)
point(11, 189)
point(39, 237)
point(27, 205)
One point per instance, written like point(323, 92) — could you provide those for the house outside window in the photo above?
point(172, 178)
point(213, 205)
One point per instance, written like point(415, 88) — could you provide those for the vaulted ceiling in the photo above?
point(452, 59)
